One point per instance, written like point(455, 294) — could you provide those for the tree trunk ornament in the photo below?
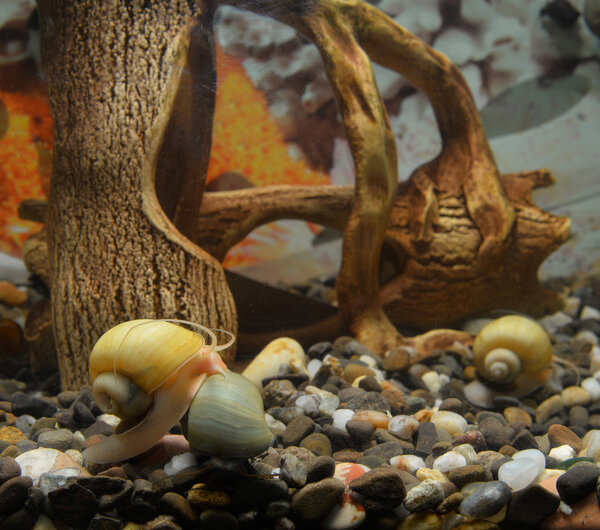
point(131, 231)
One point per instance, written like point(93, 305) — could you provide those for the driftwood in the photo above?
point(115, 71)
point(465, 240)
point(132, 91)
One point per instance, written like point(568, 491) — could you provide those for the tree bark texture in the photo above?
point(113, 71)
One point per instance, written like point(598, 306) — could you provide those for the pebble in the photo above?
point(318, 443)
point(370, 401)
point(316, 500)
point(562, 453)
point(426, 495)
point(487, 500)
point(518, 474)
point(575, 395)
point(43, 460)
point(494, 433)
point(410, 463)
point(451, 422)
point(298, 429)
point(561, 435)
point(341, 417)
point(577, 482)
point(361, 431)
point(449, 461)
point(548, 408)
point(530, 506)
point(382, 483)
point(379, 420)
point(277, 392)
point(403, 426)
point(469, 473)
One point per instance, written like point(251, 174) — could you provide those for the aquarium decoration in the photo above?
point(131, 229)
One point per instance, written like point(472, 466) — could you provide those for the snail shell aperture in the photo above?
point(510, 346)
point(227, 419)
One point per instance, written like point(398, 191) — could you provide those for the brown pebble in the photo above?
point(453, 405)
point(507, 450)
point(470, 473)
point(11, 434)
point(450, 503)
point(561, 435)
point(11, 295)
point(379, 420)
point(347, 455)
point(202, 498)
point(354, 370)
point(398, 404)
point(397, 359)
point(513, 414)
point(472, 437)
point(360, 430)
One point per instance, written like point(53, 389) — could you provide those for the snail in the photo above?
point(512, 355)
point(151, 372)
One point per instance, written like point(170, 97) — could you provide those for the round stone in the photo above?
point(533, 454)
point(561, 435)
point(487, 500)
point(316, 500)
point(410, 463)
point(318, 443)
point(575, 395)
point(403, 426)
point(448, 461)
point(518, 473)
point(450, 422)
point(298, 429)
point(341, 417)
point(424, 496)
point(577, 482)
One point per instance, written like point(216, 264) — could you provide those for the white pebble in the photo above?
point(448, 461)
point(589, 312)
point(518, 474)
point(533, 454)
point(403, 426)
point(552, 322)
point(571, 305)
point(468, 451)
point(313, 367)
point(592, 385)
point(432, 381)
point(587, 336)
point(451, 422)
point(75, 455)
point(591, 445)
point(562, 453)
point(329, 405)
point(310, 404)
point(341, 417)
point(409, 463)
point(368, 360)
point(179, 463)
point(277, 427)
point(109, 419)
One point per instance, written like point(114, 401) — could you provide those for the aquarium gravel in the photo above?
point(361, 442)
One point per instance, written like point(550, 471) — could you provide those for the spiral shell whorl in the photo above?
point(136, 350)
point(510, 346)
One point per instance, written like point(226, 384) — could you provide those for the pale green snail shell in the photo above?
point(227, 419)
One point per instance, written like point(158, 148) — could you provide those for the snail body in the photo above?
point(148, 372)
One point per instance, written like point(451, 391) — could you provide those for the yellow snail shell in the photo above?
point(148, 372)
point(510, 346)
point(512, 355)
